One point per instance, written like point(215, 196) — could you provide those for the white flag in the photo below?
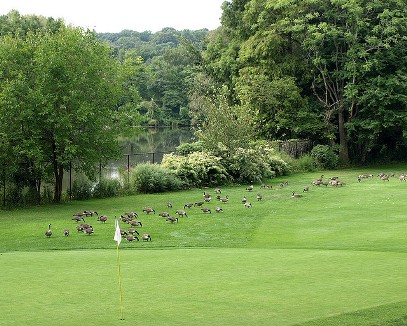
point(117, 234)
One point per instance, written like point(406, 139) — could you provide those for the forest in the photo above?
point(332, 73)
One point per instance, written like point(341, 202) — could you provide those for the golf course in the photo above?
point(333, 255)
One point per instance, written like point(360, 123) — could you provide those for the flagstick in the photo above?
point(120, 282)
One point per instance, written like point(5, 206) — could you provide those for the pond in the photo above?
point(141, 146)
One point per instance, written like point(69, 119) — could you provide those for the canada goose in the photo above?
point(89, 230)
point(250, 188)
point(189, 205)
point(148, 210)
point(146, 237)
point(131, 237)
point(132, 231)
point(85, 226)
point(265, 186)
point(244, 199)
point(305, 189)
point(206, 210)
point(164, 214)
point(181, 212)
point(224, 199)
point(48, 233)
point(124, 219)
point(131, 215)
point(199, 203)
point(218, 191)
point(205, 195)
point(102, 218)
point(218, 209)
point(78, 218)
point(169, 204)
point(294, 195)
point(259, 197)
point(135, 223)
point(90, 213)
point(123, 232)
point(321, 178)
point(402, 177)
point(80, 228)
point(385, 177)
point(66, 232)
point(247, 204)
point(172, 219)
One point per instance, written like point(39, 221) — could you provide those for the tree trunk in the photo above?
point(343, 142)
point(59, 176)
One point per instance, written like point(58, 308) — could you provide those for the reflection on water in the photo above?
point(143, 145)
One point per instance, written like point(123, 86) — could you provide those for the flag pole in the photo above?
point(118, 239)
point(120, 283)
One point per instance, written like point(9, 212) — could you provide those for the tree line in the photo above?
point(330, 71)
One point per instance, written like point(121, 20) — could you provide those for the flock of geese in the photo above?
point(130, 233)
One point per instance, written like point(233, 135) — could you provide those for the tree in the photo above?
point(58, 99)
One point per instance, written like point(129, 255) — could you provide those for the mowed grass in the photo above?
point(336, 256)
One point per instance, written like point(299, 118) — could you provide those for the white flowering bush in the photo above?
point(197, 168)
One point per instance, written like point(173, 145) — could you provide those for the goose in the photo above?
point(305, 189)
point(131, 237)
point(135, 223)
point(131, 215)
point(80, 228)
point(78, 218)
point(199, 203)
point(206, 210)
point(218, 209)
point(294, 195)
point(172, 219)
point(259, 197)
point(90, 213)
point(244, 199)
point(250, 188)
point(169, 204)
point(164, 214)
point(89, 230)
point(124, 219)
point(207, 197)
point(48, 233)
point(102, 218)
point(224, 199)
point(132, 231)
point(181, 212)
point(247, 204)
point(189, 205)
point(66, 232)
point(148, 210)
point(146, 237)
point(218, 191)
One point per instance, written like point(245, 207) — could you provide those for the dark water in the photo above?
point(142, 145)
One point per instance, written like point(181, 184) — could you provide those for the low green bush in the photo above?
point(197, 168)
point(153, 178)
point(188, 148)
point(106, 188)
point(324, 156)
point(81, 189)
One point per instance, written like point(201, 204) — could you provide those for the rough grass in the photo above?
point(336, 256)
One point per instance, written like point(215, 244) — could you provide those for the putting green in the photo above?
point(219, 286)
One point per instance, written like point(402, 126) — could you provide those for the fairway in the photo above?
point(335, 256)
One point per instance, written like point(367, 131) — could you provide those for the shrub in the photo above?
point(188, 148)
point(324, 156)
point(152, 178)
point(197, 168)
point(82, 189)
point(256, 163)
point(107, 188)
point(305, 163)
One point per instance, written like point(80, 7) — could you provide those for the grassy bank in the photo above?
point(335, 256)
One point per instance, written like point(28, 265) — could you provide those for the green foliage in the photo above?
point(324, 156)
point(255, 164)
point(305, 163)
point(82, 189)
point(152, 178)
point(188, 148)
point(107, 188)
point(197, 168)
